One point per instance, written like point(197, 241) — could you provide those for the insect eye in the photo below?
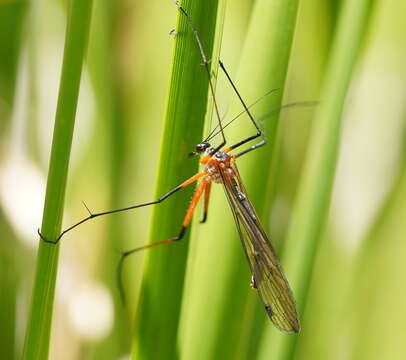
point(202, 147)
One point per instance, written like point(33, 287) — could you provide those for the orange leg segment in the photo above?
point(195, 200)
point(193, 179)
point(206, 201)
point(186, 222)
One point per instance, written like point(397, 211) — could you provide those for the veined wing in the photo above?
point(268, 278)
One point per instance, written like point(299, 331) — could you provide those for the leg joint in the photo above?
point(181, 234)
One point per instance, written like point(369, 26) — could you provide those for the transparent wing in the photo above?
point(268, 278)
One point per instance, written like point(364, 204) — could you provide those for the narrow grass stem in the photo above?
point(39, 324)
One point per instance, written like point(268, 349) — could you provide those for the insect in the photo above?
point(220, 167)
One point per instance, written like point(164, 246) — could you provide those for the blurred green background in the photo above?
point(355, 304)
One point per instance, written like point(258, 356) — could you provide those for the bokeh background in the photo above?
point(355, 306)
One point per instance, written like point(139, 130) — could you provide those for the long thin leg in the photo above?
point(214, 132)
point(206, 66)
point(220, 125)
point(259, 131)
point(273, 112)
point(186, 222)
point(251, 148)
point(92, 216)
point(255, 123)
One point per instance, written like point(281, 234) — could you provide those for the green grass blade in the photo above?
point(231, 310)
point(263, 66)
point(39, 325)
point(161, 294)
point(376, 295)
point(378, 282)
point(210, 113)
point(315, 188)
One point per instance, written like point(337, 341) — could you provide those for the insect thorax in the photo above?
point(219, 160)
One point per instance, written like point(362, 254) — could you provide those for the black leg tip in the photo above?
point(181, 234)
point(44, 239)
point(204, 219)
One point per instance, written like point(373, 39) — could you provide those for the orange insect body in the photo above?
point(211, 174)
point(213, 162)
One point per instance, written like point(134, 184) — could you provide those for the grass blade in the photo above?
point(315, 188)
point(39, 325)
point(161, 293)
point(263, 66)
point(377, 263)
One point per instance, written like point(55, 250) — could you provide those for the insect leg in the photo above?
point(253, 147)
point(206, 66)
point(94, 215)
point(186, 222)
point(206, 202)
point(246, 109)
